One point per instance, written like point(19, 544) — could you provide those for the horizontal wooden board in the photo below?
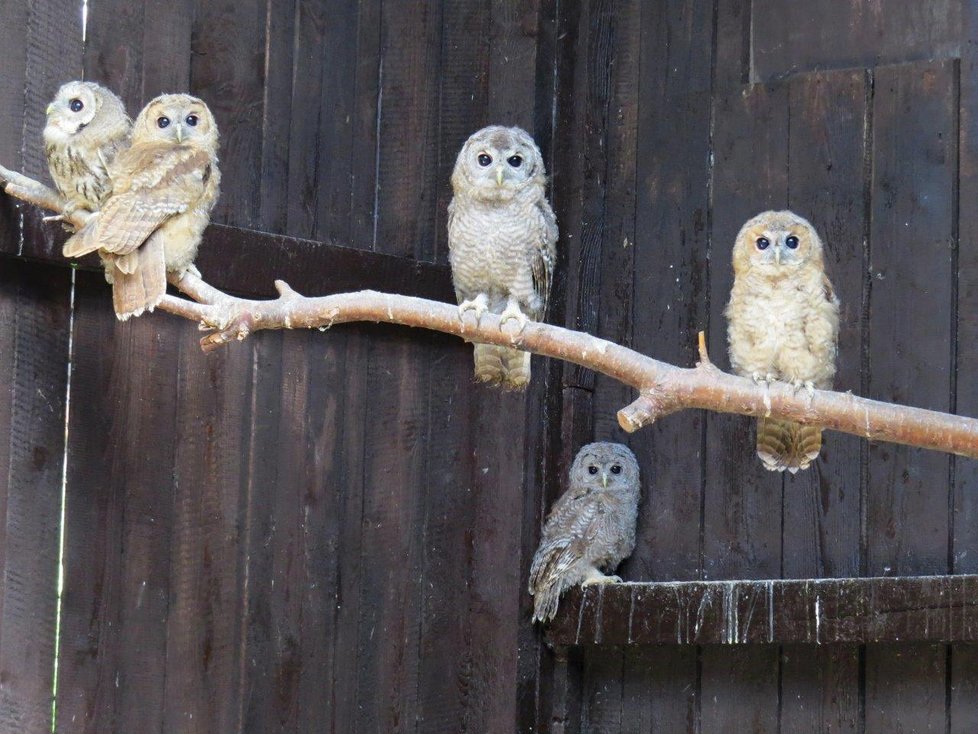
point(778, 611)
point(247, 262)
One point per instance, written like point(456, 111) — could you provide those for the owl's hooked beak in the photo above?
point(179, 133)
point(50, 109)
point(604, 479)
point(499, 175)
point(777, 254)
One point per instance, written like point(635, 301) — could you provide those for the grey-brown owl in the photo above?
point(502, 237)
point(87, 126)
point(590, 528)
point(163, 189)
point(783, 324)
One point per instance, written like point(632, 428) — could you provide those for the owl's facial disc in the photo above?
point(73, 109)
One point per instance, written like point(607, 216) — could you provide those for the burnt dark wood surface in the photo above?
point(331, 532)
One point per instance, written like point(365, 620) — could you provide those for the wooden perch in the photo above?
point(663, 388)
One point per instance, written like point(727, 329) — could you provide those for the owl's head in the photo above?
point(606, 466)
point(776, 243)
point(80, 108)
point(498, 162)
point(178, 119)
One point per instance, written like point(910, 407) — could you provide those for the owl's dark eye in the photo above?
point(791, 242)
point(76, 105)
point(616, 469)
point(485, 159)
point(515, 161)
point(192, 120)
point(162, 122)
point(762, 243)
point(592, 469)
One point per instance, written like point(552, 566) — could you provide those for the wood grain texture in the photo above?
point(34, 332)
point(775, 611)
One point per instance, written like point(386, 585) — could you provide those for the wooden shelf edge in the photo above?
point(246, 262)
point(775, 611)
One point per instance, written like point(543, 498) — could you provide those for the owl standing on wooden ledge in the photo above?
point(783, 324)
point(502, 237)
point(591, 528)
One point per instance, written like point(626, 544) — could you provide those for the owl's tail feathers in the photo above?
point(545, 601)
point(507, 368)
point(139, 280)
point(787, 445)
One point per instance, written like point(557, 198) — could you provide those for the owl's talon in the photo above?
point(599, 579)
point(54, 218)
point(479, 304)
point(512, 312)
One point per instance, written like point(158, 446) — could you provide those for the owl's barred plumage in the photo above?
point(591, 527)
point(163, 189)
point(87, 126)
point(783, 324)
point(502, 237)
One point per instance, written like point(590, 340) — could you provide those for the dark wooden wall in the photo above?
point(331, 532)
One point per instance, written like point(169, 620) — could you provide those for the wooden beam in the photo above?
point(242, 261)
point(788, 611)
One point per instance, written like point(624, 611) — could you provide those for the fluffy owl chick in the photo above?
point(163, 189)
point(502, 237)
point(87, 126)
point(590, 528)
point(783, 324)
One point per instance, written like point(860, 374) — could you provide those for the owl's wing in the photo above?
point(544, 255)
point(576, 520)
point(162, 181)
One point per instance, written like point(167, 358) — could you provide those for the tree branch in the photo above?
point(663, 388)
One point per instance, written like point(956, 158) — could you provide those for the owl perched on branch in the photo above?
point(783, 324)
point(163, 189)
point(502, 237)
point(87, 126)
point(590, 528)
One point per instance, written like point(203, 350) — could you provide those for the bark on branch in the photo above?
point(663, 388)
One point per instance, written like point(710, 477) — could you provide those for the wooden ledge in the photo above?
point(246, 262)
point(812, 611)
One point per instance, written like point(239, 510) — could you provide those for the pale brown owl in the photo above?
point(87, 126)
point(590, 528)
point(783, 324)
point(502, 237)
point(163, 189)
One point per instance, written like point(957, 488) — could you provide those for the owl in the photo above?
point(163, 189)
point(590, 528)
point(87, 126)
point(502, 237)
point(783, 324)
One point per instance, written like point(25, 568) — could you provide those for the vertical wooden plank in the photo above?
point(912, 249)
point(462, 102)
point(514, 40)
point(905, 688)
point(741, 535)
point(367, 74)
point(407, 185)
point(34, 333)
point(280, 19)
point(393, 515)
point(228, 53)
point(828, 169)
point(963, 712)
point(202, 626)
point(94, 512)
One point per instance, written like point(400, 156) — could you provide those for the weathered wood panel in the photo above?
point(776, 611)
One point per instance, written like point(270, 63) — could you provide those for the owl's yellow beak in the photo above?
point(777, 255)
point(499, 175)
point(179, 133)
point(604, 479)
point(50, 109)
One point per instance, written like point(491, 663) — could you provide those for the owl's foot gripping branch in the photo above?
point(663, 388)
